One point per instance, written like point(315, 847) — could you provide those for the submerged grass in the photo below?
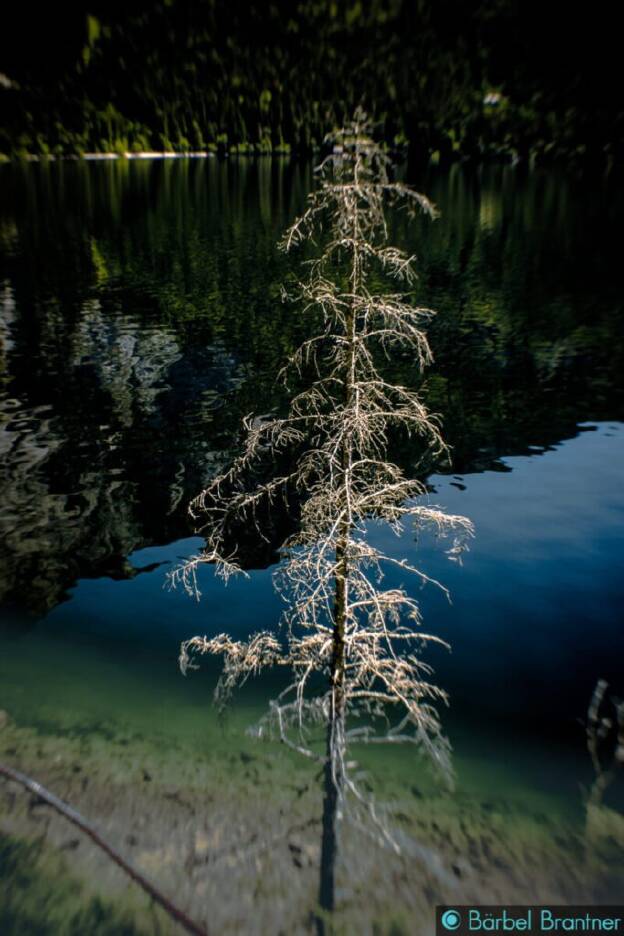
point(239, 852)
point(40, 897)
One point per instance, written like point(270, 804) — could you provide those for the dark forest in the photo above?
point(496, 79)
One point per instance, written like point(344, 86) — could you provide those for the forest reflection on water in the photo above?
point(141, 317)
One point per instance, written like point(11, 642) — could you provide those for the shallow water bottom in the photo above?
point(230, 825)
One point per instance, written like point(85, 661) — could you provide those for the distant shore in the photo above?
point(250, 152)
point(156, 154)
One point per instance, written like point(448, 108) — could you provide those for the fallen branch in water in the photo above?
point(600, 729)
point(74, 817)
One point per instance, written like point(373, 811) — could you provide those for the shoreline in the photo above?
point(146, 155)
point(529, 163)
point(231, 832)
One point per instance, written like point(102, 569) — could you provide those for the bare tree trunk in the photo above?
point(335, 730)
point(335, 725)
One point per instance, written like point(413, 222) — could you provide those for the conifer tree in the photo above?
point(342, 620)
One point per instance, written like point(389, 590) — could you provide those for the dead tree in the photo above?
point(341, 620)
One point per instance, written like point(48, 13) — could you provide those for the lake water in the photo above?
point(140, 318)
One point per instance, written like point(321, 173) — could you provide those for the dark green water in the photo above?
point(140, 319)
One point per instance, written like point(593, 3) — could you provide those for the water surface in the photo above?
point(141, 318)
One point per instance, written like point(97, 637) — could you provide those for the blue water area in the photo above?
point(536, 613)
point(534, 620)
